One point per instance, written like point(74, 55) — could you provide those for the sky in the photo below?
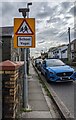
point(52, 19)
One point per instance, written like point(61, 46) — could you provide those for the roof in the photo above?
point(6, 31)
point(73, 41)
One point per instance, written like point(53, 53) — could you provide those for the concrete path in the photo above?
point(37, 100)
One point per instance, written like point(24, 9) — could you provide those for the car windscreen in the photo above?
point(54, 62)
point(38, 60)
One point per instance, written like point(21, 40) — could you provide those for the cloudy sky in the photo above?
point(52, 20)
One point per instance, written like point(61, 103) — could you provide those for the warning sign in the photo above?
point(24, 29)
point(24, 33)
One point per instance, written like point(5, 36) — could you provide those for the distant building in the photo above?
point(0, 49)
point(8, 51)
point(58, 52)
point(50, 52)
point(73, 51)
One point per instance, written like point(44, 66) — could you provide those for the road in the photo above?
point(66, 93)
point(0, 97)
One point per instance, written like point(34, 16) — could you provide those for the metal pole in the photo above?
point(69, 45)
point(25, 83)
point(28, 49)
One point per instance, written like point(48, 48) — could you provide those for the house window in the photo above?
point(57, 51)
point(63, 51)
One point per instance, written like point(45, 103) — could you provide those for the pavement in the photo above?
point(0, 97)
point(36, 98)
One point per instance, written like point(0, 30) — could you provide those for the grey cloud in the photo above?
point(66, 5)
point(52, 20)
point(39, 21)
point(61, 23)
point(73, 11)
point(64, 8)
point(11, 8)
point(46, 11)
point(50, 31)
point(67, 17)
point(41, 10)
point(6, 8)
point(10, 11)
point(52, 34)
point(1, 9)
point(42, 15)
point(48, 34)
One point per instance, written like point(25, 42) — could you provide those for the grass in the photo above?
point(26, 110)
point(44, 86)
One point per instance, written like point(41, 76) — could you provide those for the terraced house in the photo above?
point(73, 50)
point(58, 52)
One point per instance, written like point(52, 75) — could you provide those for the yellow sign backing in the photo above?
point(24, 33)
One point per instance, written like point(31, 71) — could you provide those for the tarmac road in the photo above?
point(66, 93)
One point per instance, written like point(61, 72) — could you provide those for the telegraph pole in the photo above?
point(25, 81)
point(69, 45)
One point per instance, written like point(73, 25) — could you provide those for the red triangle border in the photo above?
point(25, 33)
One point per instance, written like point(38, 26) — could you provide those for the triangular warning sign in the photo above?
point(24, 29)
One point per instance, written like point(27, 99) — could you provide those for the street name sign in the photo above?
point(24, 32)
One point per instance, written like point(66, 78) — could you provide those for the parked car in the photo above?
point(55, 70)
point(38, 63)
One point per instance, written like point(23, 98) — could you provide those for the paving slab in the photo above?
point(37, 114)
point(34, 84)
point(36, 96)
point(34, 90)
point(38, 105)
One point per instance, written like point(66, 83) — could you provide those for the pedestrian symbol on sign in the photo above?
point(24, 29)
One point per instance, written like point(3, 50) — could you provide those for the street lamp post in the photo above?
point(69, 45)
point(28, 49)
point(25, 82)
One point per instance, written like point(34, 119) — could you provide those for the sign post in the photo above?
point(24, 30)
point(24, 37)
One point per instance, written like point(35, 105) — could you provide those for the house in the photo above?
point(0, 49)
point(8, 51)
point(58, 52)
point(73, 50)
point(50, 52)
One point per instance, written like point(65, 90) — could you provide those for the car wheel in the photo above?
point(47, 79)
point(41, 73)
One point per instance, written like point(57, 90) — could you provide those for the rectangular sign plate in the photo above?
point(24, 41)
point(24, 32)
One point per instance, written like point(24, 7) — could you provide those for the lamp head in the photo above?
point(23, 10)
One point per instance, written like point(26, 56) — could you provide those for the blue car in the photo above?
point(55, 70)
